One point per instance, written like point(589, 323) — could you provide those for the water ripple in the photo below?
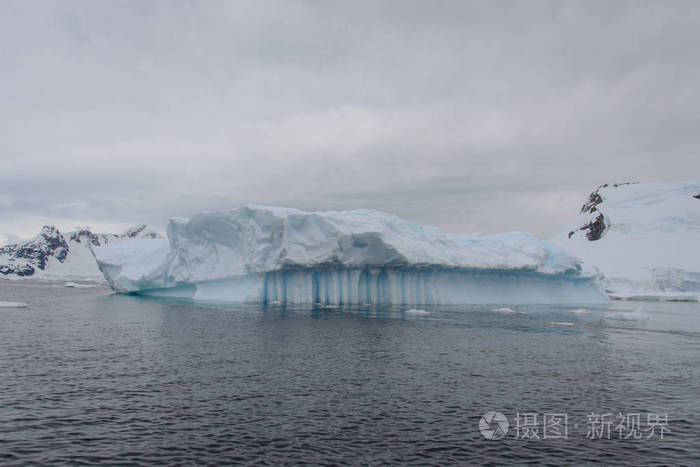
point(88, 378)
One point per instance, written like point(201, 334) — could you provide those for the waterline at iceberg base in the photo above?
point(392, 286)
point(263, 254)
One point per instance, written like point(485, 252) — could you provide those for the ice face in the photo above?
point(264, 254)
point(363, 286)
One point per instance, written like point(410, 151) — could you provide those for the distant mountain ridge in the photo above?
point(53, 255)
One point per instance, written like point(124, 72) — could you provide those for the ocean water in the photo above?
point(89, 377)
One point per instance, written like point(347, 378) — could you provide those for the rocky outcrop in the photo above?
point(36, 252)
point(594, 229)
point(140, 231)
point(85, 235)
point(595, 198)
point(17, 269)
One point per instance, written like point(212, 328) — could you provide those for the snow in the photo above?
point(79, 264)
point(13, 305)
point(266, 254)
point(651, 245)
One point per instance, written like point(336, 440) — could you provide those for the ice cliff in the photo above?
point(644, 237)
point(54, 255)
point(266, 254)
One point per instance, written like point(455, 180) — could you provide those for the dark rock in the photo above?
point(138, 229)
point(22, 270)
point(85, 235)
point(594, 229)
point(594, 199)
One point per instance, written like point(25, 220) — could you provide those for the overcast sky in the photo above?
point(472, 116)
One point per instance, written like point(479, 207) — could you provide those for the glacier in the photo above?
point(644, 238)
point(286, 255)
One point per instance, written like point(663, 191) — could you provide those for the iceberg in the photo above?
point(285, 255)
point(13, 305)
point(644, 238)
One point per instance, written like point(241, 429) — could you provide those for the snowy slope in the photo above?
point(362, 256)
point(645, 238)
point(53, 255)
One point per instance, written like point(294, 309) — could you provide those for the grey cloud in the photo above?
point(473, 116)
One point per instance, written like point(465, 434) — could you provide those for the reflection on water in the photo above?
point(88, 376)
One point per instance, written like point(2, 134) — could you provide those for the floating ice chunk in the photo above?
point(77, 285)
point(417, 312)
point(656, 296)
point(561, 323)
point(507, 311)
point(262, 254)
point(13, 305)
point(636, 315)
point(580, 311)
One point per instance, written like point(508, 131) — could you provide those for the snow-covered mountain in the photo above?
point(644, 237)
point(268, 254)
point(53, 255)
